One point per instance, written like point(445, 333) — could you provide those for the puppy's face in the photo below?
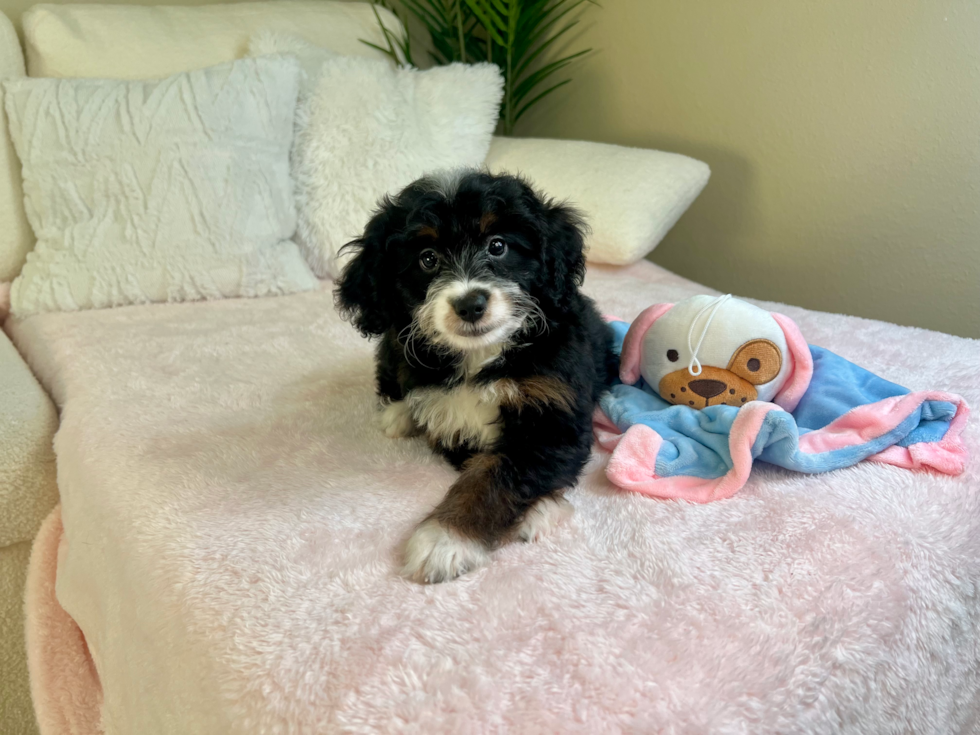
point(463, 262)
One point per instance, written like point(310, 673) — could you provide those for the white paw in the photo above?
point(397, 421)
point(436, 554)
point(544, 517)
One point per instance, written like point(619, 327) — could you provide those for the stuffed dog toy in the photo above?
point(707, 351)
point(711, 384)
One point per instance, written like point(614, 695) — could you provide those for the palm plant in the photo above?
point(516, 35)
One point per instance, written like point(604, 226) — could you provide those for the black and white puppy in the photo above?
point(488, 348)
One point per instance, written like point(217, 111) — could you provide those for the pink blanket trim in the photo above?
point(789, 396)
point(629, 367)
point(947, 456)
point(632, 464)
point(65, 686)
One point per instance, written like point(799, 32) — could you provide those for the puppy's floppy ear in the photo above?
point(363, 288)
point(564, 252)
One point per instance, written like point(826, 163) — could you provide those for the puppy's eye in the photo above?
point(429, 260)
point(672, 355)
point(496, 247)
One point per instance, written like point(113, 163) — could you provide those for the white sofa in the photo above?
point(225, 547)
point(28, 421)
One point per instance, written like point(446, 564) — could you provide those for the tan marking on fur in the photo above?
point(429, 232)
point(475, 507)
point(538, 391)
point(486, 220)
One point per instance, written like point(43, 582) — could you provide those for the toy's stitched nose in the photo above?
point(707, 388)
point(471, 306)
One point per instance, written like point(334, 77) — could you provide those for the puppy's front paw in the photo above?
point(435, 554)
point(544, 517)
point(397, 421)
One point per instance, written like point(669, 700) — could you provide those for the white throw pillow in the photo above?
point(173, 190)
point(369, 129)
point(630, 197)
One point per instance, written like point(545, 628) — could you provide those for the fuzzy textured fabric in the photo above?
point(174, 190)
point(367, 129)
point(28, 421)
point(234, 515)
point(64, 683)
point(631, 196)
point(16, 710)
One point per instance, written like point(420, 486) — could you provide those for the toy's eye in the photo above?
point(757, 361)
point(496, 247)
point(429, 260)
point(672, 355)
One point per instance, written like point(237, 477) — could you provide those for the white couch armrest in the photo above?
point(28, 421)
point(630, 197)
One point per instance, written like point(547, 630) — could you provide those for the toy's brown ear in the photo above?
point(757, 361)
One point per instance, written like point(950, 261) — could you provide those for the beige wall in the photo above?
point(843, 138)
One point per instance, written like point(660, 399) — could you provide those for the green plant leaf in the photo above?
point(542, 47)
point(489, 17)
point(501, 8)
point(544, 26)
point(480, 9)
point(423, 13)
point(516, 35)
point(375, 46)
point(540, 97)
point(532, 80)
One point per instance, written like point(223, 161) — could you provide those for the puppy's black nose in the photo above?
point(471, 306)
point(707, 388)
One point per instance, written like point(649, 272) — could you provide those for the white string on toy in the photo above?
point(713, 306)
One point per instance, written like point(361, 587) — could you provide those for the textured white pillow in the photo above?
point(369, 129)
point(630, 197)
point(158, 191)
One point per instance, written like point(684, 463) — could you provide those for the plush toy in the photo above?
point(712, 384)
point(706, 351)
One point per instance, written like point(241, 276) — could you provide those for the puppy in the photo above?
point(488, 348)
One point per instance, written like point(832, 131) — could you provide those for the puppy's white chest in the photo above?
point(462, 415)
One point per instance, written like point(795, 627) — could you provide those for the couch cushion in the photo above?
point(630, 197)
point(136, 42)
point(16, 237)
point(27, 468)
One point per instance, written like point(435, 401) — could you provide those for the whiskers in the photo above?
point(408, 337)
point(534, 317)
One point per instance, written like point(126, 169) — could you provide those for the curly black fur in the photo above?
point(556, 368)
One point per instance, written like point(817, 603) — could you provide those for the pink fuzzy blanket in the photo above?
point(232, 517)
